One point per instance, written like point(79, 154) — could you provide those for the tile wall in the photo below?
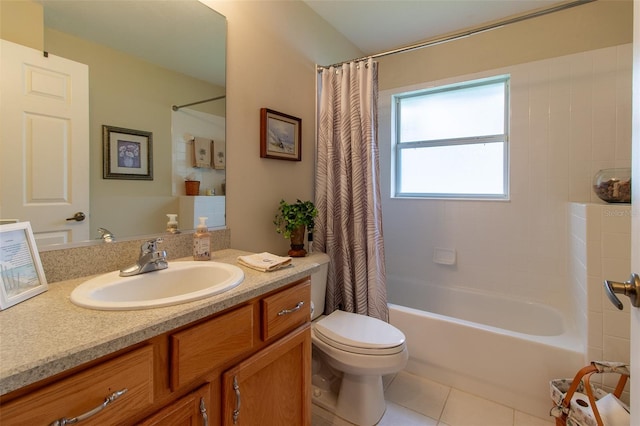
point(601, 249)
point(570, 117)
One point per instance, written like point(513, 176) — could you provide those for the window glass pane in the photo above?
point(453, 169)
point(463, 112)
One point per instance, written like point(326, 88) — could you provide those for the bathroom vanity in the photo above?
point(242, 357)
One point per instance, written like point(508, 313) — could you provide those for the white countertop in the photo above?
point(48, 334)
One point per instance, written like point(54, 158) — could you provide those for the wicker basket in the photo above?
point(584, 413)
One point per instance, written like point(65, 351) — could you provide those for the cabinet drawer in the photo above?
point(84, 391)
point(203, 347)
point(286, 310)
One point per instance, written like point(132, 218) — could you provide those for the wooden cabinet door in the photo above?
point(273, 387)
point(191, 410)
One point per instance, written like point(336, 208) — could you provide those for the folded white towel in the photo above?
point(202, 152)
point(264, 262)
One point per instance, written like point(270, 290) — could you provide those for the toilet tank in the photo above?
point(318, 283)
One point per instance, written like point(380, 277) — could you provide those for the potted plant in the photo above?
point(291, 221)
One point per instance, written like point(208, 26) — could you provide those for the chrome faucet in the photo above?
point(106, 235)
point(151, 259)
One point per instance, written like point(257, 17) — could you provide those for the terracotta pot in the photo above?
point(192, 187)
point(297, 242)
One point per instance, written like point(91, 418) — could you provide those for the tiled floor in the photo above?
point(414, 401)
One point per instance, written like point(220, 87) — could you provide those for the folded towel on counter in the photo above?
point(264, 262)
point(202, 152)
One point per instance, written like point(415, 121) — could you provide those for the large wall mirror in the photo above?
point(146, 60)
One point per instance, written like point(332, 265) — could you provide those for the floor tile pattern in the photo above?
point(415, 401)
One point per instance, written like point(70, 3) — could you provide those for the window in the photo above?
point(452, 141)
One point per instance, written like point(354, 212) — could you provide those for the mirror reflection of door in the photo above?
point(44, 122)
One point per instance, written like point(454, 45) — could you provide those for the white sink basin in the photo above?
point(181, 282)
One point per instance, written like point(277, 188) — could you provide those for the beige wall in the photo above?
point(273, 47)
point(21, 22)
point(595, 25)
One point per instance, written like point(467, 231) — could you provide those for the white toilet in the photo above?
point(351, 353)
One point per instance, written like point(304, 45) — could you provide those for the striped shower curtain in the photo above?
point(349, 223)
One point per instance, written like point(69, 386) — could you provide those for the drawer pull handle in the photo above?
point(108, 400)
point(292, 310)
point(203, 412)
point(236, 412)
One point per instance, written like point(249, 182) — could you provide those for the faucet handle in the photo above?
point(150, 245)
point(106, 235)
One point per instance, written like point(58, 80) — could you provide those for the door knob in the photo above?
point(629, 288)
point(78, 217)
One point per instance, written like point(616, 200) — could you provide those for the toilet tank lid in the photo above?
point(318, 257)
point(359, 331)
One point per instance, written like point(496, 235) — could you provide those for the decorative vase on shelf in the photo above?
point(613, 185)
point(192, 187)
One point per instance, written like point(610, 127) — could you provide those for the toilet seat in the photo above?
point(359, 334)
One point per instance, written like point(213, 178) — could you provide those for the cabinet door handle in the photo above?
point(236, 412)
point(203, 412)
point(108, 400)
point(292, 310)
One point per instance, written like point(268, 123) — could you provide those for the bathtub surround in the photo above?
point(190, 122)
point(600, 249)
point(349, 222)
point(570, 117)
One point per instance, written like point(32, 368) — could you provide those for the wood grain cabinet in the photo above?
point(190, 410)
point(106, 394)
point(272, 388)
point(249, 365)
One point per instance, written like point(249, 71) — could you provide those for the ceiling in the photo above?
point(154, 30)
point(376, 26)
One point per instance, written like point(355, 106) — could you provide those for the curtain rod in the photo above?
point(177, 107)
point(464, 34)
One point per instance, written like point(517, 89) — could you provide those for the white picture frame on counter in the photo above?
point(21, 273)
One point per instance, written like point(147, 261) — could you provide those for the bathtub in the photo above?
point(501, 349)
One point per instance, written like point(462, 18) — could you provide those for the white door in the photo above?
point(44, 143)
point(635, 217)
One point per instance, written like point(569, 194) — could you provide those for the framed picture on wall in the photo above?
point(280, 135)
point(127, 153)
point(21, 273)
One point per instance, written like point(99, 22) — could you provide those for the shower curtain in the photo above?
point(349, 223)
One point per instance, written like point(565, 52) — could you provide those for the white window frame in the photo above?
point(399, 146)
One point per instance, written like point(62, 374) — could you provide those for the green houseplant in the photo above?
point(291, 221)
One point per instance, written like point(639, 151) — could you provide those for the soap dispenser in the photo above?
point(172, 225)
point(202, 241)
